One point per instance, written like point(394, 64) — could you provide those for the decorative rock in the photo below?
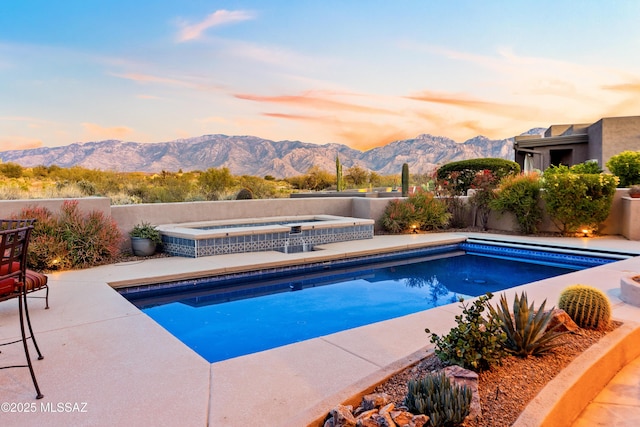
point(559, 316)
point(366, 414)
point(402, 418)
point(368, 422)
point(341, 416)
point(376, 400)
point(461, 376)
point(419, 421)
point(387, 408)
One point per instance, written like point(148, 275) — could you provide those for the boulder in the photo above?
point(560, 317)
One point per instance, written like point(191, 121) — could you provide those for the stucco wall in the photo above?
point(624, 218)
point(620, 134)
point(13, 207)
point(630, 224)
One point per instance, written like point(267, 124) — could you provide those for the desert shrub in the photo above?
point(462, 173)
point(476, 343)
point(91, 238)
point(445, 403)
point(520, 195)
point(589, 307)
point(71, 239)
point(626, 166)
point(429, 213)
point(397, 216)
point(577, 200)
point(244, 194)
point(484, 183)
point(526, 329)
point(47, 250)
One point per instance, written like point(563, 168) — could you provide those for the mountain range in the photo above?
point(250, 155)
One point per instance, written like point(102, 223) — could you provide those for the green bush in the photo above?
point(434, 395)
point(476, 343)
point(526, 328)
point(626, 166)
point(575, 201)
point(590, 166)
point(462, 173)
point(589, 307)
point(520, 195)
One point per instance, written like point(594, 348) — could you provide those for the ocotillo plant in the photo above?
point(405, 180)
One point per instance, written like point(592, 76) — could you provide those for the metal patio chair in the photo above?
point(13, 265)
point(34, 281)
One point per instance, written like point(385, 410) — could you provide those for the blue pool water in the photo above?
point(233, 317)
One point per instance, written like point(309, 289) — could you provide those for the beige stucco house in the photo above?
point(576, 143)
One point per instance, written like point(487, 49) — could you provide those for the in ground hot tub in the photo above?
point(284, 234)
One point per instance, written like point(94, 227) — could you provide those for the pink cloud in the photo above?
point(19, 143)
point(94, 132)
point(217, 18)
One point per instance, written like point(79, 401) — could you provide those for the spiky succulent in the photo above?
point(434, 395)
point(526, 329)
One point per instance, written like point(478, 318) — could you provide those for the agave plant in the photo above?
point(526, 330)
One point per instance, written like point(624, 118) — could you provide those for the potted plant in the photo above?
point(144, 239)
point(634, 191)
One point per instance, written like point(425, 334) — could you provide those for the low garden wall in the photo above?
point(624, 218)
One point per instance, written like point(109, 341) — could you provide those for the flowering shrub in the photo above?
point(577, 200)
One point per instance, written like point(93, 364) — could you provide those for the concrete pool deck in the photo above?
point(107, 363)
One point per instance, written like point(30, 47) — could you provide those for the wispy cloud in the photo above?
point(316, 101)
point(148, 78)
point(630, 88)
point(468, 102)
point(193, 31)
point(361, 135)
point(18, 143)
point(94, 132)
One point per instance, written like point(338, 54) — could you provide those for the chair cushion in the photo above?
point(7, 286)
point(4, 268)
point(35, 280)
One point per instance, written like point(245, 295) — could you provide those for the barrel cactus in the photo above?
point(587, 306)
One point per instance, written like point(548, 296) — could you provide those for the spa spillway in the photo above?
point(284, 234)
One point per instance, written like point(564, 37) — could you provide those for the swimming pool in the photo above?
point(226, 317)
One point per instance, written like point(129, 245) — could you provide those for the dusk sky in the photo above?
point(360, 73)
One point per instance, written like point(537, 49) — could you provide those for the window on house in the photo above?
point(561, 157)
